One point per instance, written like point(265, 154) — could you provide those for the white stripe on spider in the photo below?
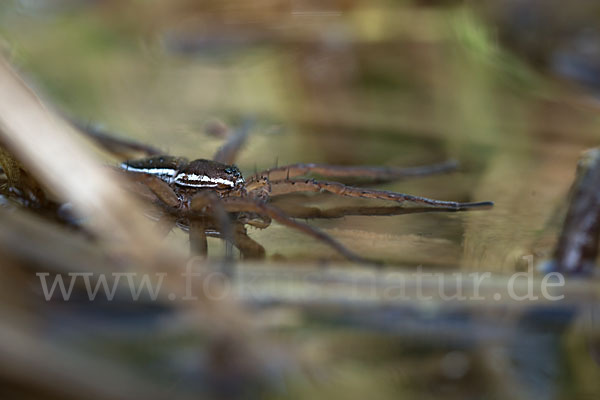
point(193, 180)
point(161, 172)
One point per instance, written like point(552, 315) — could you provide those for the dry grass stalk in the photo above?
point(53, 153)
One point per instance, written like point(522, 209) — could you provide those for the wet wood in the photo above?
point(577, 249)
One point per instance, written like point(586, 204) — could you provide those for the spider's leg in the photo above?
point(238, 204)
point(207, 201)
point(138, 188)
point(154, 190)
point(379, 174)
point(294, 210)
point(259, 221)
point(311, 185)
point(232, 234)
point(120, 147)
point(157, 186)
point(227, 153)
point(247, 246)
point(259, 188)
point(198, 243)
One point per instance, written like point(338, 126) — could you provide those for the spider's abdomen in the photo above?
point(163, 167)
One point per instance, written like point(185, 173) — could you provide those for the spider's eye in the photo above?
point(229, 170)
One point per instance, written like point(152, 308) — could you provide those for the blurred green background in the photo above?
point(505, 87)
point(354, 83)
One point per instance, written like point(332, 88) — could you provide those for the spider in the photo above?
point(212, 198)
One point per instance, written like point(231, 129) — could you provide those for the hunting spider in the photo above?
point(212, 198)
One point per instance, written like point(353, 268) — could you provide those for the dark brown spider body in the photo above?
point(187, 179)
point(212, 198)
point(190, 193)
point(162, 166)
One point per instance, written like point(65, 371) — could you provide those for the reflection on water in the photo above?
point(364, 85)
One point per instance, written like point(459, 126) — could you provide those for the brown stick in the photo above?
point(577, 248)
point(53, 154)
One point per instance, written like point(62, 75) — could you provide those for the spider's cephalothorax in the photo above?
point(207, 174)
